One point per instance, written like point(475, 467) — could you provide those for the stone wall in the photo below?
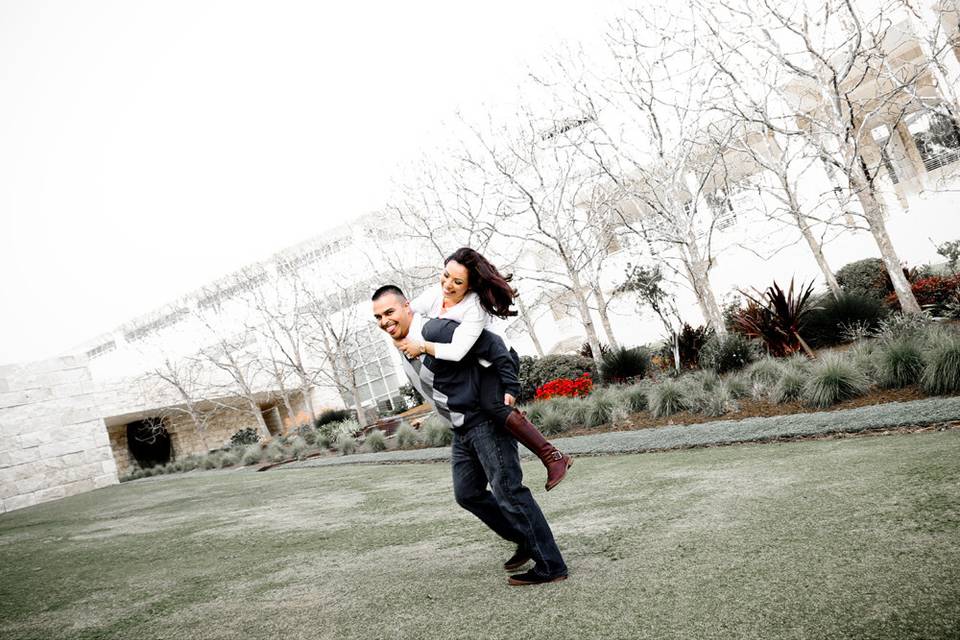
point(53, 441)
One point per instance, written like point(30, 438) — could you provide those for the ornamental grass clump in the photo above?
point(667, 398)
point(407, 436)
point(739, 385)
point(274, 452)
point(552, 422)
point(375, 441)
point(764, 374)
point(346, 444)
point(436, 432)
point(941, 373)
point(833, 379)
point(228, 459)
point(251, 455)
point(599, 408)
point(899, 363)
point(634, 397)
point(716, 401)
point(789, 387)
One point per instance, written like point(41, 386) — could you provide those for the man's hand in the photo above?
point(509, 400)
point(410, 348)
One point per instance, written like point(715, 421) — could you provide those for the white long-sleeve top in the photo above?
point(472, 317)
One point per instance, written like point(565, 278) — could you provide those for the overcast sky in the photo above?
point(149, 147)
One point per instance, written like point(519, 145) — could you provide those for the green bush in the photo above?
point(534, 372)
point(274, 452)
point(407, 436)
point(863, 278)
point(333, 415)
point(245, 437)
point(862, 355)
point(211, 461)
point(727, 353)
point(714, 401)
point(739, 385)
point(899, 363)
point(904, 326)
point(621, 364)
point(553, 422)
point(228, 459)
point(375, 441)
point(667, 398)
point(832, 317)
point(296, 446)
point(436, 432)
point(941, 373)
point(833, 379)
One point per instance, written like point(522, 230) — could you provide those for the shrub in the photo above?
point(833, 379)
point(831, 316)
point(345, 444)
point(863, 278)
point(574, 410)
point(933, 294)
point(534, 372)
point(776, 317)
point(564, 387)
point(727, 353)
point(332, 415)
point(228, 459)
point(296, 446)
point(244, 437)
point(667, 398)
point(191, 462)
point(690, 343)
point(436, 432)
point(951, 251)
point(713, 401)
point(903, 326)
point(375, 441)
point(621, 364)
point(766, 371)
point(941, 373)
point(211, 461)
point(251, 455)
point(587, 351)
point(899, 363)
point(407, 436)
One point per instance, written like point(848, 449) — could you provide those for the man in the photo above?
point(480, 453)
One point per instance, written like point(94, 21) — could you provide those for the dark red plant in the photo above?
point(931, 293)
point(776, 317)
point(578, 388)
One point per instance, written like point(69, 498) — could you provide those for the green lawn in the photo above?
point(852, 538)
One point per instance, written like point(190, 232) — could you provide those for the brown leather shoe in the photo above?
point(532, 577)
point(529, 436)
point(517, 560)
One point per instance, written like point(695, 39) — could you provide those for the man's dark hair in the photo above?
point(388, 288)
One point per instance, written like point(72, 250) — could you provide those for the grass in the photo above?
point(832, 379)
point(821, 539)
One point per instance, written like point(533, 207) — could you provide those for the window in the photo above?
point(99, 350)
point(724, 214)
point(937, 138)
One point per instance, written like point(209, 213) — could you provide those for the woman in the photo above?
point(474, 293)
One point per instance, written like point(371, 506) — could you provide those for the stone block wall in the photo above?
point(53, 441)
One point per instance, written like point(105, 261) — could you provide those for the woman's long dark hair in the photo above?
point(495, 293)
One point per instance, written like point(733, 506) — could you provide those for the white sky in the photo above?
point(147, 148)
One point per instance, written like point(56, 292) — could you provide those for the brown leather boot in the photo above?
point(529, 436)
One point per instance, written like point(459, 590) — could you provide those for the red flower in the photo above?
point(565, 387)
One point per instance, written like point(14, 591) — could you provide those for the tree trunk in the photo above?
point(873, 212)
point(531, 330)
point(584, 308)
point(604, 316)
point(261, 423)
point(307, 394)
point(699, 277)
point(812, 242)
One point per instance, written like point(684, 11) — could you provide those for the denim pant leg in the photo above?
point(497, 452)
point(470, 489)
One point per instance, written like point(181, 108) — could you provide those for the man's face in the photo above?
point(393, 315)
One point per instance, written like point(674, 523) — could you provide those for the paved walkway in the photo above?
point(881, 416)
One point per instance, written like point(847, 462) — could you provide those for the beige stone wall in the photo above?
point(53, 442)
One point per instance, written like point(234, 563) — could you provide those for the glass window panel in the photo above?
point(379, 388)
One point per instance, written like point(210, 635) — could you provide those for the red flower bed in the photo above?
point(565, 387)
point(931, 293)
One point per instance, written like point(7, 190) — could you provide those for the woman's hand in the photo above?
point(410, 348)
point(509, 400)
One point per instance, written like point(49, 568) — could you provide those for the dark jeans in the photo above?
point(485, 455)
point(491, 393)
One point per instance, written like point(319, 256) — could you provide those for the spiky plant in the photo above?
point(739, 385)
point(789, 387)
point(764, 375)
point(346, 445)
point(252, 454)
point(634, 397)
point(407, 436)
point(730, 352)
point(375, 441)
point(776, 317)
point(552, 422)
point(899, 363)
point(600, 407)
point(833, 379)
point(941, 373)
point(667, 398)
point(620, 364)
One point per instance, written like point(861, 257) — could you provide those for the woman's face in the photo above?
point(454, 281)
